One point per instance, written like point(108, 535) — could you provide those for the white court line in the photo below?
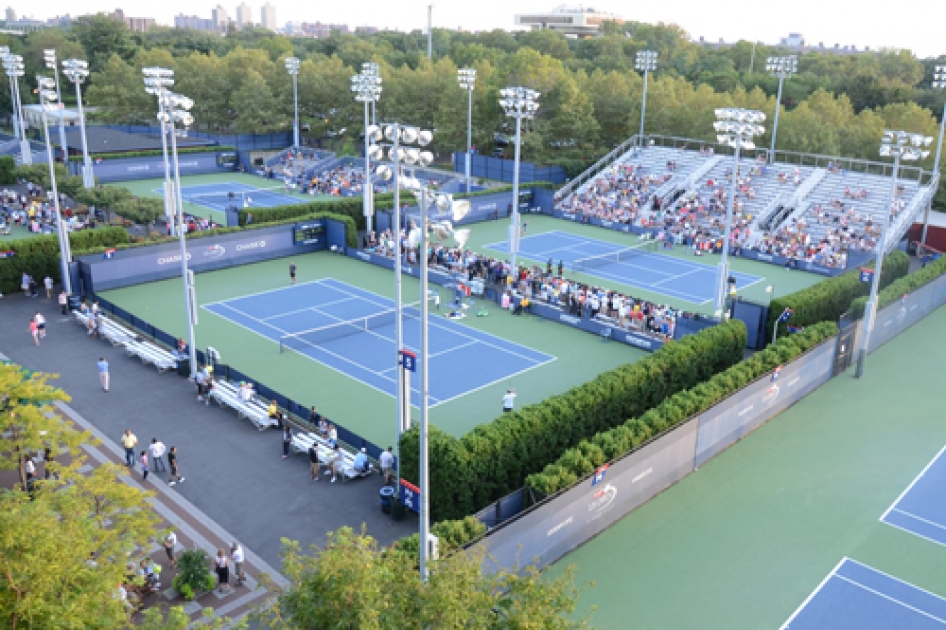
point(913, 533)
point(308, 308)
point(892, 599)
point(810, 597)
point(266, 292)
point(504, 378)
point(435, 354)
point(677, 277)
point(913, 483)
point(919, 518)
point(896, 579)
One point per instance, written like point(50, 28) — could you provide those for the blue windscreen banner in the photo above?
point(124, 169)
point(504, 170)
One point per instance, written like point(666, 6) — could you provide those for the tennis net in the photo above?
point(315, 337)
point(611, 258)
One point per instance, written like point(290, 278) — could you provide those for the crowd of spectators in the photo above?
point(548, 285)
point(34, 210)
point(618, 195)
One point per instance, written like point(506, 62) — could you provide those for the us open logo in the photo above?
point(215, 251)
point(602, 501)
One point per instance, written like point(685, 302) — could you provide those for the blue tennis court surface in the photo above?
point(461, 359)
point(920, 509)
point(650, 271)
point(856, 597)
point(216, 196)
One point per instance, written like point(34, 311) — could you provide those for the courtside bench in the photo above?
point(228, 395)
point(302, 441)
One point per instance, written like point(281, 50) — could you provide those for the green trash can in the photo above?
point(397, 510)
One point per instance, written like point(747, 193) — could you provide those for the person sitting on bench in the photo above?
point(361, 461)
point(521, 306)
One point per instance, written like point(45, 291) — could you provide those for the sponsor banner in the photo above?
point(153, 167)
point(145, 264)
point(557, 527)
point(737, 416)
point(897, 317)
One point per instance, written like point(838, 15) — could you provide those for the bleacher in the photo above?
point(302, 441)
point(149, 352)
point(256, 411)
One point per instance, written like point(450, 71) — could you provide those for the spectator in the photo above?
point(387, 465)
point(144, 465)
point(64, 302)
point(236, 552)
point(361, 461)
point(129, 441)
point(157, 449)
point(48, 283)
point(170, 541)
point(314, 461)
point(334, 461)
point(222, 565)
point(286, 440)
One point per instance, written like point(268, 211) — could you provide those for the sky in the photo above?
point(846, 22)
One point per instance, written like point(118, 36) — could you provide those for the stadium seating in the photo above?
point(302, 441)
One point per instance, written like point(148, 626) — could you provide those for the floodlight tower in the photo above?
point(48, 98)
point(292, 67)
point(371, 69)
point(367, 89)
point(939, 83)
point(76, 70)
point(899, 145)
point(13, 66)
point(645, 62)
point(781, 68)
point(735, 128)
point(467, 77)
point(49, 57)
point(519, 103)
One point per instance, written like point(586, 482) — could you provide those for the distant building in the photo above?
point(194, 22)
point(794, 40)
point(321, 31)
point(366, 30)
point(268, 17)
point(60, 21)
point(220, 18)
point(139, 25)
point(11, 15)
point(244, 16)
point(569, 20)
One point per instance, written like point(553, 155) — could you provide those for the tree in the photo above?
point(105, 198)
point(352, 584)
point(254, 105)
point(140, 210)
point(119, 94)
point(102, 36)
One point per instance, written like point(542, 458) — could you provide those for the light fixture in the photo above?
point(646, 62)
point(518, 103)
point(292, 67)
point(367, 89)
point(48, 99)
point(467, 78)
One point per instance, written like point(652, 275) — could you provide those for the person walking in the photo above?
point(64, 302)
point(32, 287)
point(387, 465)
point(286, 440)
point(236, 553)
point(40, 324)
point(144, 464)
point(48, 283)
point(170, 541)
point(34, 330)
point(129, 441)
point(172, 462)
point(103, 373)
point(156, 450)
point(222, 565)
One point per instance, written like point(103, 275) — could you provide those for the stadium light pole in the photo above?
point(430, 31)
point(367, 89)
point(13, 66)
point(49, 57)
point(76, 70)
point(645, 62)
point(519, 103)
point(467, 77)
point(292, 67)
point(4, 53)
point(157, 82)
point(939, 83)
point(734, 128)
point(781, 68)
point(48, 98)
point(370, 68)
point(899, 145)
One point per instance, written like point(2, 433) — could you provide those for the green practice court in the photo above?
point(786, 525)
point(563, 357)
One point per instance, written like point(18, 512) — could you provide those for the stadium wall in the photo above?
point(504, 170)
point(561, 523)
point(125, 169)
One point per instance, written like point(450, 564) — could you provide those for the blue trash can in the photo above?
point(387, 493)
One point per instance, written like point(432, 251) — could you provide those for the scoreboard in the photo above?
point(308, 233)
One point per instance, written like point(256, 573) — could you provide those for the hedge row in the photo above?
point(452, 535)
point(831, 298)
point(159, 152)
point(495, 459)
point(578, 462)
point(897, 289)
point(39, 256)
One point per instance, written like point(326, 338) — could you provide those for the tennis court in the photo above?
point(920, 509)
point(640, 266)
point(857, 597)
point(217, 196)
point(351, 331)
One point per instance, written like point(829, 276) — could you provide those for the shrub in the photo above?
point(193, 574)
point(831, 298)
point(907, 284)
point(495, 459)
point(452, 535)
point(578, 462)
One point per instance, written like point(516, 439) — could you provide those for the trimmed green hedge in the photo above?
point(831, 298)
point(495, 459)
point(158, 152)
point(907, 284)
point(39, 256)
point(578, 462)
point(452, 535)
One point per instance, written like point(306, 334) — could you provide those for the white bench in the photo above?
point(226, 394)
point(150, 353)
point(301, 442)
point(117, 334)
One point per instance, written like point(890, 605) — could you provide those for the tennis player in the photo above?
point(509, 400)
point(292, 272)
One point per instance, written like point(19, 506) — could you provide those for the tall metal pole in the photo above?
point(939, 151)
point(724, 262)
point(88, 178)
point(430, 31)
point(778, 107)
point(26, 151)
point(295, 103)
point(16, 122)
point(403, 419)
point(514, 237)
point(424, 473)
point(871, 308)
point(188, 303)
point(643, 110)
point(368, 190)
point(62, 120)
point(170, 200)
point(64, 256)
point(469, 136)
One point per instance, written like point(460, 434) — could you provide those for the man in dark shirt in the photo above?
point(314, 461)
point(314, 417)
point(292, 272)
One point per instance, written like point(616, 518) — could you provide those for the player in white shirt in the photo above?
point(509, 400)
